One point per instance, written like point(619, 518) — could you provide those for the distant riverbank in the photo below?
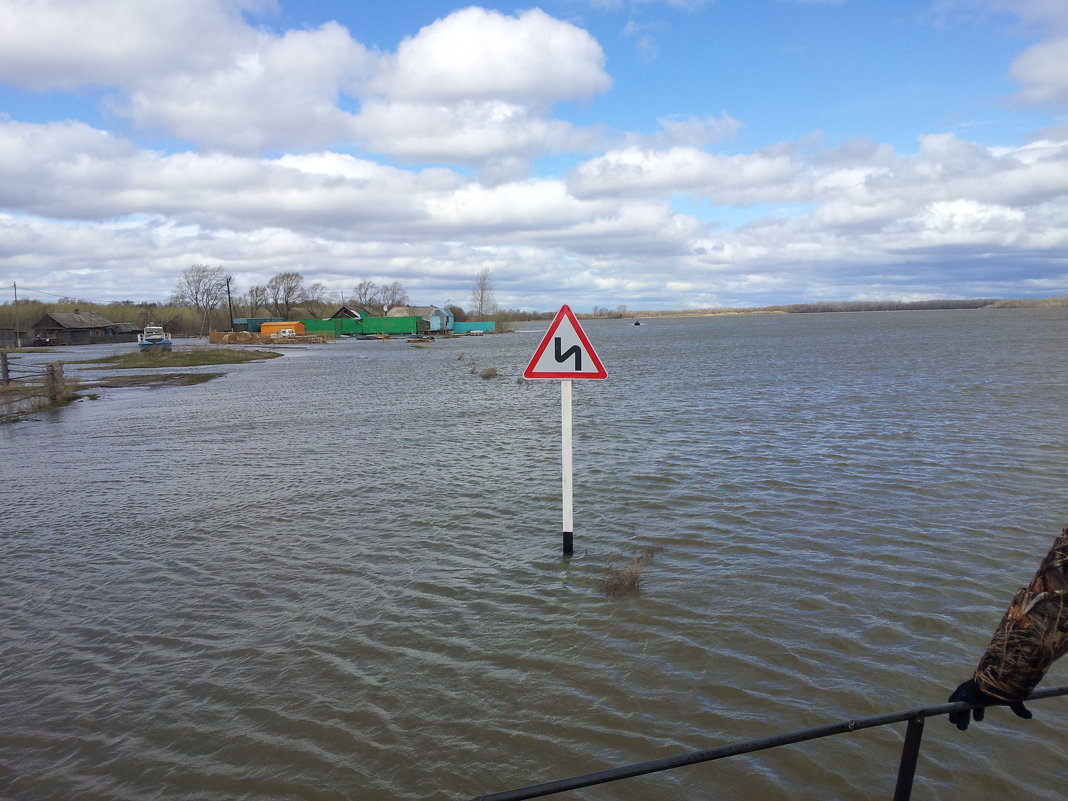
point(824, 307)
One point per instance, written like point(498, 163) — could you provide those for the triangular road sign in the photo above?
point(565, 352)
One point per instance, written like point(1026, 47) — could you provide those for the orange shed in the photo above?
point(296, 326)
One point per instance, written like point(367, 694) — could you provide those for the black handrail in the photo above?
point(906, 770)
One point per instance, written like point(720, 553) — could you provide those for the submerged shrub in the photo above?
point(623, 575)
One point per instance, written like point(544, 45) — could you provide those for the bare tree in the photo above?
point(315, 298)
point(284, 292)
point(483, 302)
point(257, 299)
point(203, 288)
point(393, 295)
point(366, 294)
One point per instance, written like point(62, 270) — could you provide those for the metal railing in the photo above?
point(910, 751)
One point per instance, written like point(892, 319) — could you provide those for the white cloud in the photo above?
point(1048, 13)
point(478, 86)
point(67, 170)
point(475, 54)
point(508, 208)
point(1042, 71)
point(693, 131)
point(641, 172)
point(334, 215)
point(63, 44)
point(970, 217)
point(466, 132)
point(643, 36)
point(189, 68)
point(944, 168)
point(475, 87)
point(280, 92)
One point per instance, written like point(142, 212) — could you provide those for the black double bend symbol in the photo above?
point(574, 350)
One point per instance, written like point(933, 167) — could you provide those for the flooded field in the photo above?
point(337, 575)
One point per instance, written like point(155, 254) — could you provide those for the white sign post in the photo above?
point(565, 353)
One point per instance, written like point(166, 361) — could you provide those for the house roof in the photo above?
point(81, 320)
point(347, 311)
point(415, 311)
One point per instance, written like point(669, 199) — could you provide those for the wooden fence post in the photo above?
point(55, 375)
point(5, 371)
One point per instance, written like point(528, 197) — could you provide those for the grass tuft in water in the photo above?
point(623, 576)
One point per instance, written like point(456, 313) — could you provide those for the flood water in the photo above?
point(337, 574)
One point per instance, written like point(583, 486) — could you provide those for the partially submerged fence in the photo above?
point(26, 387)
point(910, 751)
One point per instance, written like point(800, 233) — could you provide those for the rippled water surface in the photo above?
point(338, 574)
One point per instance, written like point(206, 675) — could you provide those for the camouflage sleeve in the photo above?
point(1032, 634)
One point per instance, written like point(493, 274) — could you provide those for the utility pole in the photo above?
point(230, 304)
point(18, 339)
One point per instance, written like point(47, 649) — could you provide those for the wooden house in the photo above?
point(438, 320)
point(83, 328)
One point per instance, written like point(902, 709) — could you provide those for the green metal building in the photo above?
point(253, 323)
point(347, 326)
point(336, 326)
point(463, 328)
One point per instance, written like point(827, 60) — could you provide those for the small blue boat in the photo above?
point(153, 338)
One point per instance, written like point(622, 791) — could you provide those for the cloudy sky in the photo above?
point(654, 153)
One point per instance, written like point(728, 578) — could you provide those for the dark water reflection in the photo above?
point(337, 574)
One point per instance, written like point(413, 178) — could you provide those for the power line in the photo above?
point(80, 299)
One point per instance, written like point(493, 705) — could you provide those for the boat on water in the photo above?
point(153, 338)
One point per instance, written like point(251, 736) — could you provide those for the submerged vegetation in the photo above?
point(623, 576)
point(197, 357)
point(153, 380)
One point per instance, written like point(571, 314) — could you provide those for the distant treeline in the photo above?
point(824, 307)
point(880, 305)
point(914, 305)
point(178, 320)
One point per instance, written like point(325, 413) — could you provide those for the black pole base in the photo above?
point(569, 543)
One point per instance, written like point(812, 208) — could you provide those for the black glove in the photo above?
point(969, 691)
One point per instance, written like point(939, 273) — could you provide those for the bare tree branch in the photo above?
point(483, 299)
point(284, 292)
point(203, 288)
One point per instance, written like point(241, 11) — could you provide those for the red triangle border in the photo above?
point(565, 311)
